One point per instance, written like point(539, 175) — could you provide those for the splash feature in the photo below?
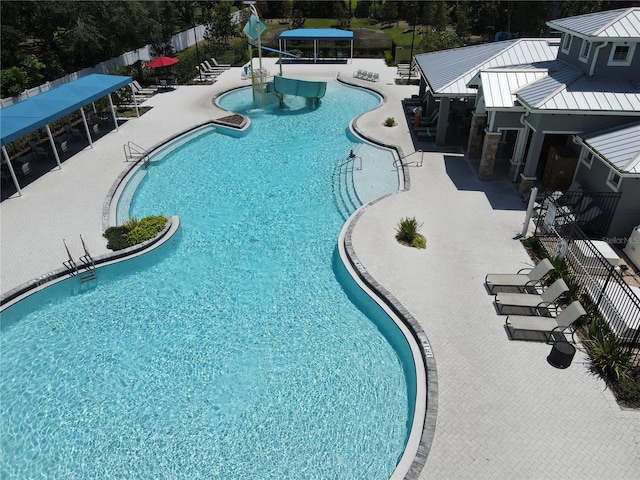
point(299, 88)
point(270, 92)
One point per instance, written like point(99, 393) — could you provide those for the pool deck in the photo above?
point(503, 411)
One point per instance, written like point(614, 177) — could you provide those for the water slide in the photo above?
point(299, 88)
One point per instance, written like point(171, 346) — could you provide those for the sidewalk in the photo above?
point(503, 411)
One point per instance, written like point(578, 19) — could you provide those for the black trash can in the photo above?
point(561, 354)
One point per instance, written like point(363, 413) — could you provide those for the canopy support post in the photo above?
point(113, 112)
point(53, 146)
point(135, 100)
point(13, 174)
point(86, 127)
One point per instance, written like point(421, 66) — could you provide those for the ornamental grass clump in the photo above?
point(407, 233)
point(134, 231)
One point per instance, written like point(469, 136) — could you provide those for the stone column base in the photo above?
point(526, 184)
point(488, 159)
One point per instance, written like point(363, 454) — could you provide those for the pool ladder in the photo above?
point(134, 152)
point(85, 270)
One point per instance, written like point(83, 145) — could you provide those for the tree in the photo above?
point(463, 22)
point(297, 19)
point(441, 18)
point(433, 40)
point(389, 11)
point(363, 9)
point(341, 14)
point(220, 28)
point(12, 82)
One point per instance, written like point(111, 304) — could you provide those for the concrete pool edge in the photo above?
point(43, 281)
point(418, 444)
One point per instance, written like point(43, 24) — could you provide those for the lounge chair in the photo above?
point(165, 87)
point(533, 301)
point(225, 66)
point(145, 92)
point(214, 68)
point(548, 325)
point(521, 280)
point(357, 74)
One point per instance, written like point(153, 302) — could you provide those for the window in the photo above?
point(585, 50)
point(621, 54)
point(566, 42)
point(587, 158)
point(614, 180)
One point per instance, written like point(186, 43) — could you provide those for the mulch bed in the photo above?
point(232, 120)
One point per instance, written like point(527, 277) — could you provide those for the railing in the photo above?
point(591, 211)
point(134, 152)
point(600, 281)
point(418, 163)
point(344, 190)
point(70, 263)
point(87, 270)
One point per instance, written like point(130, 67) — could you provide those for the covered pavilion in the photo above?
point(24, 117)
point(317, 35)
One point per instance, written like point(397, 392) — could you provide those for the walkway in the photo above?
point(503, 412)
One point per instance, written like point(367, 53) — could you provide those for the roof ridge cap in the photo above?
point(623, 13)
point(513, 40)
point(563, 86)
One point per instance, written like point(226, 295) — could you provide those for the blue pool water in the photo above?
point(239, 349)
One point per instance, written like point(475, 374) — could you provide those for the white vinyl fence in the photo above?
point(180, 41)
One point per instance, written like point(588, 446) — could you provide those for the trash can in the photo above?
point(561, 354)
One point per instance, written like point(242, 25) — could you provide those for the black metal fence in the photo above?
point(599, 281)
point(591, 211)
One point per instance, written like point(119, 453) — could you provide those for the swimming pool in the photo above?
point(238, 349)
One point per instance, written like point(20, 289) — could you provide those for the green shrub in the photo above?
point(407, 229)
point(134, 231)
point(146, 229)
point(116, 239)
point(609, 356)
point(390, 122)
point(419, 242)
point(628, 388)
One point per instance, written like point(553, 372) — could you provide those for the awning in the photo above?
point(33, 113)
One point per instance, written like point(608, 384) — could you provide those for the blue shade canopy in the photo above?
point(24, 117)
point(316, 34)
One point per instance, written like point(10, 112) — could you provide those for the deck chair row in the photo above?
point(543, 303)
point(366, 75)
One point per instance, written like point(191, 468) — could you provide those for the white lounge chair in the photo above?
point(140, 90)
point(533, 301)
point(226, 66)
point(525, 278)
point(548, 325)
point(357, 74)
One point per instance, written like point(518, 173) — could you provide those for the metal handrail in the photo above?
point(70, 263)
point(399, 163)
point(141, 153)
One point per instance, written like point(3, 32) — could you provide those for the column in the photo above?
point(474, 145)
point(518, 153)
point(489, 151)
point(443, 121)
point(528, 175)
